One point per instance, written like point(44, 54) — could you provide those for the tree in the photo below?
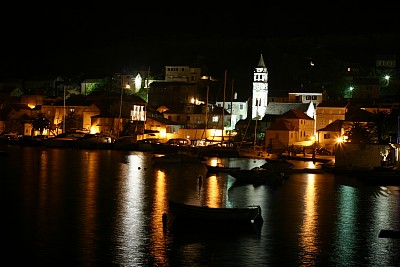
point(16, 125)
point(385, 123)
point(107, 85)
point(41, 123)
point(359, 133)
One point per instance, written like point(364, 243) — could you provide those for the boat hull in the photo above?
point(255, 152)
point(258, 177)
point(217, 169)
point(185, 212)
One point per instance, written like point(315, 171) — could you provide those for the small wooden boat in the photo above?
point(258, 176)
point(186, 212)
point(305, 170)
point(281, 165)
point(389, 234)
point(176, 158)
point(220, 168)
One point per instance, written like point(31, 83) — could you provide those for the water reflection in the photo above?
point(89, 183)
point(346, 223)
point(213, 193)
point(158, 230)
point(308, 233)
point(85, 208)
point(131, 212)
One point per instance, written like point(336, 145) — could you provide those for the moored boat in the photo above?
point(220, 168)
point(176, 158)
point(389, 233)
point(64, 140)
point(218, 151)
point(255, 152)
point(186, 212)
point(258, 176)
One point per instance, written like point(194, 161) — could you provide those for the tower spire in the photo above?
point(261, 63)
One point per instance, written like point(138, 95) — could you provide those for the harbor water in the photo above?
point(76, 207)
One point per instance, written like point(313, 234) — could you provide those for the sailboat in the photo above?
point(253, 150)
point(221, 149)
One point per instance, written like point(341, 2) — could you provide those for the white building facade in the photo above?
point(260, 90)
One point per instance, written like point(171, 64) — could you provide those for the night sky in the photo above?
point(39, 40)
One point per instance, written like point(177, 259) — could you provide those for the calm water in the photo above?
point(65, 207)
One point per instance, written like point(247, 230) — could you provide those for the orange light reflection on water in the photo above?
point(90, 205)
point(308, 231)
point(158, 234)
point(213, 192)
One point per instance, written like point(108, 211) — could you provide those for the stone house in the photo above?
point(293, 128)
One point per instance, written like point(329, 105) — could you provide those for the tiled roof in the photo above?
point(335, 126)
point(361, 116)
point(275, 108)
point(296, 114)
point(281, 125)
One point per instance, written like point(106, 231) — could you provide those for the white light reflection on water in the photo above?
point(382, 210)
point(132, 227)
point(378, 209)
point(308, 231)
point(346, 231)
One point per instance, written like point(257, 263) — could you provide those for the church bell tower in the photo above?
point(260, 91)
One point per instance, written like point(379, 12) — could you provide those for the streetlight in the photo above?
point(387, 78)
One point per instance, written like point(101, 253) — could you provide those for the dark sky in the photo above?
point(69, 39)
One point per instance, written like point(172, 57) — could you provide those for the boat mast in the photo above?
point(64, 113)
point(120, 111)
point(231, 110)
point(255, 126)
point(206, 118)
point(255, 133)
point(223, 111)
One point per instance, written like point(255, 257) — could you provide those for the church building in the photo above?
point(260, 90)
